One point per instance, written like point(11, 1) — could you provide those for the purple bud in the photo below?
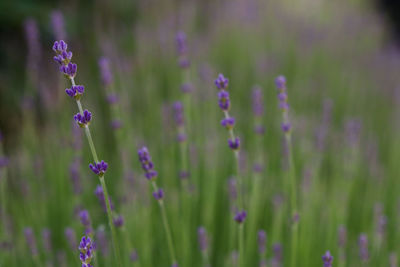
point(31, 241)
point(258, 107)
point(234, 144)
point(286, 127)
point(327, 259)
point(112, 98)
point(118, 221)
point(223, 100)
point(178, 113)
point(342, 236)
point(280, 83)
point(105, 71)
point(46, 238)
point(262, 239)
point(100, 196)
point(147, 164)
point(99, 168)
point(240, 216)
point(186, 88)
point(363, 245)
point(71, 238)
point(116, 124)
point(86, 250)
point(69, 70)
point(277, 255)
point(181, 44)
point(228, 123)
point(133, 256)
point(159, 194)
point(202, 238)
point(75, 91)
point(85, 220)
point(221, 82)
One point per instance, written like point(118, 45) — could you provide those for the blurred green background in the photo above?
point(342, 71)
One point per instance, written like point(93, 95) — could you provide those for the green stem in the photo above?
point(166, 226)
point(103, 185)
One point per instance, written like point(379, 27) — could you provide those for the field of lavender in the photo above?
point(199, 133)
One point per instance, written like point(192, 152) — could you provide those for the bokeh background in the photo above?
point(341, 61)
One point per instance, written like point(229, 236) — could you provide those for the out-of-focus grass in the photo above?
point(337, 53)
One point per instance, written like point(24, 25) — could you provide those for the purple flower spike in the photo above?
point(186, 87)
point(46, 238)
point(234, 144)
point(86, 250)
point(228, 123)
point(363, 245)
point(202, 237)
point(31, 241)
point(84, 218)
point(221, 82)
point(181, 44)
point(327, 259)
point(178, 113)
point(57, 23)
point(99, 168)
point(60, 46)
point(223, 100)
point(147, 164)
point(75, 91)
point(133, 256)
point(83, 119)
point(240, 216)
point(105, 71)
point(286, 127)
point(118, 221)
point(342, 236)
point(262, 239)
point(280, 82)
point(159, 194)
point(258, 107)
point(71, 237)
point(69, 70)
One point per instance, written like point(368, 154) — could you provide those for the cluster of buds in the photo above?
point(83, 119)
point(99, 168)
point(280, 82)
point(240, 216)
point(327, 259)
point(147, 164)
point(86, 250)
point(63, 57)
point(182, 50)
point(224, 103)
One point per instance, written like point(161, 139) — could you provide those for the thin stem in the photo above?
point(103, 185)
point(241, 246)
point(166, 226)
point(110, 220)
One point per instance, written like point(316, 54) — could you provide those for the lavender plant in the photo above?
point(83, 118)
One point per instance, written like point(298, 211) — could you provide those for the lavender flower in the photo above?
point(262, 239)
point(112, 99)
point(181, 44)
point(159, 194)
point(31, 241)
point(34, 51)
point(106, 75)
point(286, 127)
point(99, 168)
point(234, 144)
point(342, 236)
point(223, 100)
point(280, 82)
point(240, 216)
point(57, 23)
point(147, 164)
point(118, 221)
point(228, 123)
point(86, 250)
point(221, 82)
point(75, 176)
point(277, 255)
point(327, 259)
point(133, 256)
point(83, 119)
point(71, 237)
point(63, 58)
point(258, 107)
point(69, 70)
point(202, 238)
point(101, 241)
point(76, 91)
point(46, 238)
point(187, 88)
point(178, 113)
point(116, 124)
point(363, 245)
point(85, 220)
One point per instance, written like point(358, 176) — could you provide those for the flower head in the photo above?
point(69, 70)
point(99, 168)
point(240, 216)
point(327, 259)
point(286, 127)
point(280, 82)
point(147, 164)
point(118, 221)
point(258, 107)
point(181, 44)
point(221, 82)
point(363, 245)
point(228, 123)
point(234, 144)
point(178, 113)
point(159, 194)
point(262, 239)
point(223, 100)
point(83, 119)
point(86, 250)
point(60, 46)
point(76, 91)
point(105, 71)
point(202, 238)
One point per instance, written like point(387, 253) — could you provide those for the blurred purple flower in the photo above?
point(31, 241)
point(159, 194)
point(147, 164)
point(105, 71)
point(202, 238)
point(327, 259)
point(99, 168)
point(57, 23)
point(221, 82)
